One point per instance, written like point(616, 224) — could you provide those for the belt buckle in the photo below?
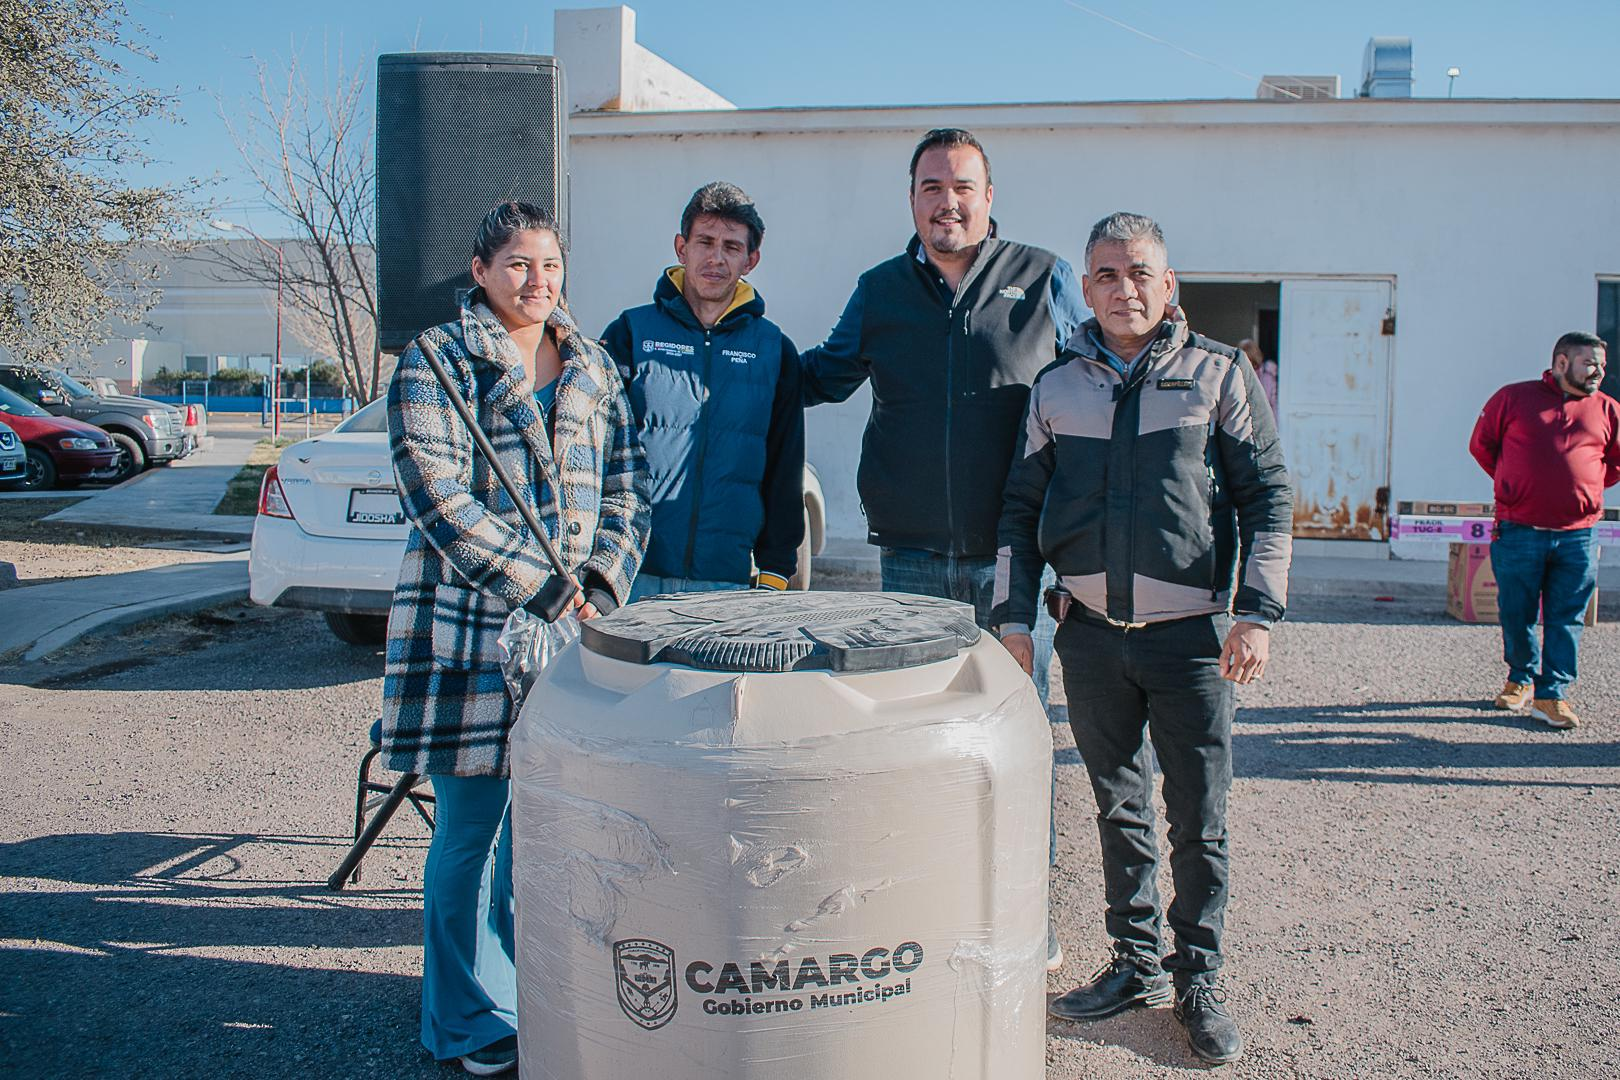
point(1123, 625)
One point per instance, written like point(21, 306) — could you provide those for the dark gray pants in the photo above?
point(1162, 680)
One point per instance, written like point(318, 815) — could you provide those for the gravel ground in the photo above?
point(1422, 887)
point(39, 551)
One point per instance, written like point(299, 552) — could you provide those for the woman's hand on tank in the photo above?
point(1022, 647)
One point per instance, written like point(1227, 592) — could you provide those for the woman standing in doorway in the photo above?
point(1265, 370)
point(552, 406)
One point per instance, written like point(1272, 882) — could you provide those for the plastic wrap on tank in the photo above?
point(527, 644)
point(837, 870)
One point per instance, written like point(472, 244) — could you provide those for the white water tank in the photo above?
point(782, 835)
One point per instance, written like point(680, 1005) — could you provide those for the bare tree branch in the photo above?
point(310, 155)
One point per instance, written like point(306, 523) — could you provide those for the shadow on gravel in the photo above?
point(187, 890)
point(1378, 752)
point(158, 960)
point(1154, 1035)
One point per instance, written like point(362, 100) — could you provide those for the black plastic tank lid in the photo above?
point(763, 630)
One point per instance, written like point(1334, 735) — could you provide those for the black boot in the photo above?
point(1211, 1031)
point(1117, 985)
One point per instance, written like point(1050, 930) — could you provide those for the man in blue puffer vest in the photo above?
point(716, 391)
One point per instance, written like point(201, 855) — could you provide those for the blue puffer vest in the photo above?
point(702, 401)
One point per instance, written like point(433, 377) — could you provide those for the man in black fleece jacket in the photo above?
point(951, 333)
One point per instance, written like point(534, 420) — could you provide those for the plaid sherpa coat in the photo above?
point(469, 559)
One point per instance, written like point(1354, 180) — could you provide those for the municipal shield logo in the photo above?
point(645, 973)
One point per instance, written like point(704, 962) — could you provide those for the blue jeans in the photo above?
point(1553, 572)
point(970, 579)
point(652, 585)
point(469, 974)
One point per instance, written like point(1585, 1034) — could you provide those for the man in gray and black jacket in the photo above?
point(1151, 480)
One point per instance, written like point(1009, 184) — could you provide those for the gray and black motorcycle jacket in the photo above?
point(1146, 491)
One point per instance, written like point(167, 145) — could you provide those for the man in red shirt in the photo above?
point(1551, 446)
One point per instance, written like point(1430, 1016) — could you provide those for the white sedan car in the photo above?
point(330, 532)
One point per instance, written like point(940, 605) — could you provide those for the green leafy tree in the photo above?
point(79, 238)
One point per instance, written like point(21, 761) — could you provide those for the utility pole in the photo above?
point(275, 369)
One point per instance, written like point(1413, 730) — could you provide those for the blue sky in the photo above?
point(849, 52)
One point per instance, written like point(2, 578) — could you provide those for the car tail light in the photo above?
point(272, 500)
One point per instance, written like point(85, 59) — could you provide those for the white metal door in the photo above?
point(1333, 400)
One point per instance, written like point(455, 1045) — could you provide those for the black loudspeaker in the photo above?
point(457, 133)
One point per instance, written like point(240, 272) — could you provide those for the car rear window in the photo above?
point(373, 417)
point(20, 406)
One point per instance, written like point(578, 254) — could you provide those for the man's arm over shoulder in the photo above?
point(1257, 480)
point(1018, 552)
point(1486, 442)
point(1066, 302)
point(835, 369)
point(776, 549)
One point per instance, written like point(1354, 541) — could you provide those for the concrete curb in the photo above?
point(213, 526)
point(1365, 588)
point(113, 618)
point(51, 616)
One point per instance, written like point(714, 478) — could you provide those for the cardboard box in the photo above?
point(1471, 586)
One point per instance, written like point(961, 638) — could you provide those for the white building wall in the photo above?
point(1494, 219)
point(202, 313)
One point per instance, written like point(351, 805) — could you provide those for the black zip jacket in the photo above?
point(950, 380)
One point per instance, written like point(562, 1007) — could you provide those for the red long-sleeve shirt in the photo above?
point(1550, 454)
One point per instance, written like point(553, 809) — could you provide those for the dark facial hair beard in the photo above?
point(1580, 389)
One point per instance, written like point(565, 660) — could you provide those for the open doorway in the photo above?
point(1329, 342)
point(1246, 314)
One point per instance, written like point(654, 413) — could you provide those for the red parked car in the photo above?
point(61, 452)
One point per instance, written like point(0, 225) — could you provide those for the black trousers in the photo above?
point(1162, 680)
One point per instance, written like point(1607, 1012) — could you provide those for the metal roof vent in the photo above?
point(1298, 88)
point(1386, 68)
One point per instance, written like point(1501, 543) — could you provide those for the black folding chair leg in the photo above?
point(351, 862)
point(363, 786)
point(420, 801)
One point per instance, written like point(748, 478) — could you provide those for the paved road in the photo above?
point(1422, 887)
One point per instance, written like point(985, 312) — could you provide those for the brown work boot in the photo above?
point(1514, 695)
point(1554, 712)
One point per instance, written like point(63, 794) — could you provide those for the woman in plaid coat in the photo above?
point(553, 407)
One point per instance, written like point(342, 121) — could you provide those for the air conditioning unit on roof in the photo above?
point(1298, 88)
